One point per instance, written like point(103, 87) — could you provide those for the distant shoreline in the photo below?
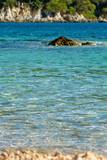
point(41, 21)
point(18, 14)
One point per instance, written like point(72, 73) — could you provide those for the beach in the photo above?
point(22, 154)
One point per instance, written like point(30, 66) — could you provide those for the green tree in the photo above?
point(36, 4)
point(57, 6)
point(71, 10)
point(2, 2)
point(10, 3)
point(86, 8)
point(104, 12)
point(98, 1)
point(70, 2)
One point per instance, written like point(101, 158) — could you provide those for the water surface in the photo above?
point(53, 97)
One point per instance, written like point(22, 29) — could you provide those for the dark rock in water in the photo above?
point(87, 43)
point(63, 41)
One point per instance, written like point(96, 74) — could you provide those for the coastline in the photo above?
point(30, 154)
point(25, 14)
point(42, 20)
point(48, 21)
point(33, 154)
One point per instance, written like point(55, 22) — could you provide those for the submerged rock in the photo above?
point(63, 41)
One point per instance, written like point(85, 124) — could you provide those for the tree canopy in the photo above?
point(89, 8)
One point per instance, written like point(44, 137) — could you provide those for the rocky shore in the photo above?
point(21, 154)
point(23, 13)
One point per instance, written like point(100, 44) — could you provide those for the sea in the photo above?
point(53, 97)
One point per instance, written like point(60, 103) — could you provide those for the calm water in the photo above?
point(53, 97)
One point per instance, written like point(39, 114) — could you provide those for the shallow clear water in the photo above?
point(53, 97)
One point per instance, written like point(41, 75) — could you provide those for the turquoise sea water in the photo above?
point(53, 97)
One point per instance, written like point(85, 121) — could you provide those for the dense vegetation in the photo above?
point(89, 8)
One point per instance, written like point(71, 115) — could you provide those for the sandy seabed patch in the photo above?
point(30, 154)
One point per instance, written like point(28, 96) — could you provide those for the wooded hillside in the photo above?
point(89, 8)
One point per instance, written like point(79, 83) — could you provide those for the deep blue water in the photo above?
point(53, 97)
